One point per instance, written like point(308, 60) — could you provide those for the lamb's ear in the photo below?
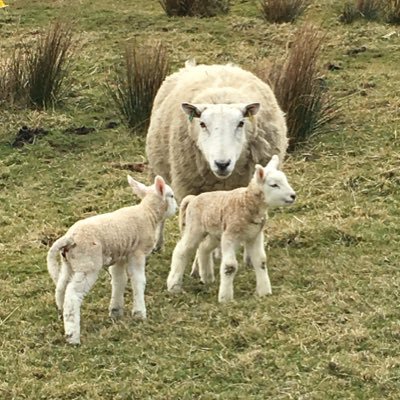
point(251, 109)
point(159, 184)
point(273, 163)
point(193, 111)
point(259, 174)
point(138, 188)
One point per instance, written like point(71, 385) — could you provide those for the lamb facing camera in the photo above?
point(229, 219)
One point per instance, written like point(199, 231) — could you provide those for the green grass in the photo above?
point(331, 328)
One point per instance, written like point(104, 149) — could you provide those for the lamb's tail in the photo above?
point(53, 266)
point(182, 211)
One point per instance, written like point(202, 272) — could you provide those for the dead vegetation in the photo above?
point(34, 75)
point(136, 84)
point(279, 11)
point(195, 8)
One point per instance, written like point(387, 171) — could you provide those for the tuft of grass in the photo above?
point(34, 75)
point(300, 88)
point(145, 68)
point(279, 11)
point(369, 9)
point(195, 8)
point(47, 65)
point(349, 13)
point(393, 12)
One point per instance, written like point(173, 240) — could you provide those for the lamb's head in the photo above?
point(220, 132)
point(160, 189)
point(274, 184)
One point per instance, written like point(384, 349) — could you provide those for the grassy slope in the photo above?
point(331, 328)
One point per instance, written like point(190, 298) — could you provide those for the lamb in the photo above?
point(230, 122)
point(231, 218)
point(121, 239)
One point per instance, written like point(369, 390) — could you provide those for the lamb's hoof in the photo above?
point(116, 313)
point(175, 289)
point(139, 314)
point(71, 339)
point(207, 280)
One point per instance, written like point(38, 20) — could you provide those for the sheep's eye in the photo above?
point(275, 185)
point(241, 124)
point(202, 124)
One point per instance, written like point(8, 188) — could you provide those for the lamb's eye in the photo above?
point(275, 185)
point(241, 124)
point(202, 124)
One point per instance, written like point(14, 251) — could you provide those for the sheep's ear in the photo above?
point(193, 111)
point(159, 184)
point(273, 163)
point(251, 109)
point(138, 188)
point(259, 174)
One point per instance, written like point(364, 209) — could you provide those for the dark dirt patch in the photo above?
point(27, 135)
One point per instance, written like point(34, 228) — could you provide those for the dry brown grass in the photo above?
point(369, 9)
point(195, 8)
point(393, 11)
point(34, 75)
point(299, 86)
point(145, 68)
point(279, 11)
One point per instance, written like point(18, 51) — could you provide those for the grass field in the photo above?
point(331, 329)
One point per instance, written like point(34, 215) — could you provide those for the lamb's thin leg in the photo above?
point(183, 252)
point(206, 260)
point(229, 266)
point(77, 288)
point(62, 283)
point(119, 279)
point(256, 253)
point(159, 237)
point(137, 276)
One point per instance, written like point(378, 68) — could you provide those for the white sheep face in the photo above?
point(221, 133)
point(275, 185)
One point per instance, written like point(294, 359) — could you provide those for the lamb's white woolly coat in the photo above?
point(171, 141)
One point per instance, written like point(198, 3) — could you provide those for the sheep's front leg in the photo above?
point(229, 266)
point(77, 288)
point(137, 276)
point(255, 251)
point(119, 279)
point(183, 252)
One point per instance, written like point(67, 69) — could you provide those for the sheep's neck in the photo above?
point(155, 209)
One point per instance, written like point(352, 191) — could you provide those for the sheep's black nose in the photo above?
point(222, 165)
point(293, 196)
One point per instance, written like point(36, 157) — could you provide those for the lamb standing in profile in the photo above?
point(230, 218)
point(121, 239)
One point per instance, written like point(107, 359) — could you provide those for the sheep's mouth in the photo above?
point(222, 174)
point(289, 201)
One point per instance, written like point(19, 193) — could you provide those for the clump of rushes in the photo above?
point(279, 11)
point(47, 65)
point(34, 75)
point(195, 8)
point(369, 9)
point(393, 12)
point(300, 89)
point(349, 13)
point(136, 84)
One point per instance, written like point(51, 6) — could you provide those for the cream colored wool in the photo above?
point(172, 147)
point(121, 239)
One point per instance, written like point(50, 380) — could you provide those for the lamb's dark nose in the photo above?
point(293, 196)
point(222, 165)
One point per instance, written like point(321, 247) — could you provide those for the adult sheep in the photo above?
point(230, 122)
